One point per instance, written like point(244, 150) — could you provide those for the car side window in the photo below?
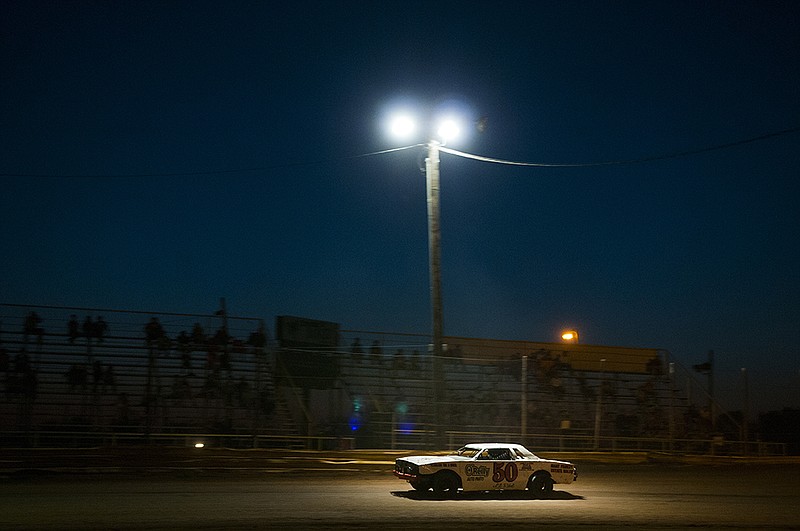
point(500, 454)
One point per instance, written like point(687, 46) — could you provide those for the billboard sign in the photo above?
point(577, 357)
point(297, 332)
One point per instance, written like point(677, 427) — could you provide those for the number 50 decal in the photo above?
point(505, 472)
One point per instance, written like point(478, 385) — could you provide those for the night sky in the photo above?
point(157, 156)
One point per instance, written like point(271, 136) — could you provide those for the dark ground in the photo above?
point(218, 489)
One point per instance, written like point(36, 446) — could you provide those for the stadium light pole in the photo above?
point(405, 126)
point(434, 256)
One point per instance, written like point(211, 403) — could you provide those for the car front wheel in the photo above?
point(445, 484)
point(421, 484)
point(540, 485)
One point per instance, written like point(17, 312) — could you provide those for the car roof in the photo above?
point(494, 445)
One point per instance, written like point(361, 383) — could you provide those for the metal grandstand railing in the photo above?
point(135, 371)
point(219, 374)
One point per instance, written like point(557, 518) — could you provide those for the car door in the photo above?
point(505, 470)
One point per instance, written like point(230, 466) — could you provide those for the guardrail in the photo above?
point(89, 439)
point(404, 440)
point(589, 443)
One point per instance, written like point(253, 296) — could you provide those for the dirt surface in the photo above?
point(364, 495)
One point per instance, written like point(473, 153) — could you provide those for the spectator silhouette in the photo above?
point(399, 361)
point(5, 365)
point(185, 348)
point(415, 360)
point(97, 375)
point(211, 357)
point(153, 332)
point(109, 381)
point(32, 327)
point(73, 329)
point(221, 339)
point(123, 410)
point(243, 393)
point(356, 350)
point(88, 328)
point(375, 352)
point(25, 379)
point(77, 377)
point(181, 388)
point(100, 329)
point(258, 340)
point(198, 337)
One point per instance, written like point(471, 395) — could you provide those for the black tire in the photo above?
point(445, 484)
point(421, 485)
point(540, 485)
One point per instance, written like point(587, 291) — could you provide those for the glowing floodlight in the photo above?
point(449, 129)
point(402, 126)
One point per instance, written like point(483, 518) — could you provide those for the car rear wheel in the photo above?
point(445, 484)
point(540, 485)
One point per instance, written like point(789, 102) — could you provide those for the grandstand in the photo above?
point(79, 376)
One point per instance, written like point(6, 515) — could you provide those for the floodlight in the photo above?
point(402, 126)
point(449, 129)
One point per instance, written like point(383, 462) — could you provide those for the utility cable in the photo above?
point(208, 172)
point(621, 162)
point(654, 158)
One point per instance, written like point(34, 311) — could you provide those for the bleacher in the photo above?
point(485, 396)
point(56, 380)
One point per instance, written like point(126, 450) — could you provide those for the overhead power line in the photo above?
point(206, 172)
point(653, 158)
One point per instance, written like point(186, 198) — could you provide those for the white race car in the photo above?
point(485, 467)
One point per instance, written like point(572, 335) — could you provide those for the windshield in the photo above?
point(467, 451)
point(519, 452)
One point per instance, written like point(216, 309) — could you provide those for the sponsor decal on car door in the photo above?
point(504, 474)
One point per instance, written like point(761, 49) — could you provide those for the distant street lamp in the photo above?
point(570, 336)
point(404, 126)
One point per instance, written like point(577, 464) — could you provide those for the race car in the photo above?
point(485, 467)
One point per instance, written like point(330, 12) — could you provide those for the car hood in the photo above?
point(428, 459)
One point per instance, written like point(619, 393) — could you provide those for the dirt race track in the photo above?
point(367, 496)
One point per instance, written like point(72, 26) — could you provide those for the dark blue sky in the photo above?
point(108, 107)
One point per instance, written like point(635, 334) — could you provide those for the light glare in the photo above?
point(402, 126)
point(570, 335)
point(449, 129)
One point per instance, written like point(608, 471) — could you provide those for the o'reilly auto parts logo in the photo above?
point(477, 470)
